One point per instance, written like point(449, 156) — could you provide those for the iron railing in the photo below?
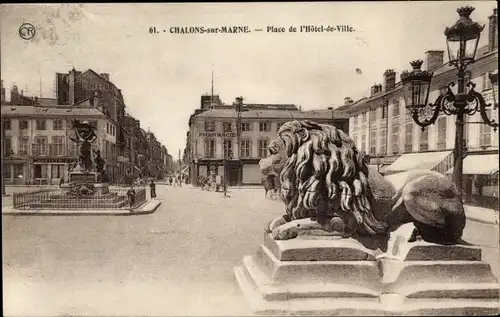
point(58, 199)
point(53, 150)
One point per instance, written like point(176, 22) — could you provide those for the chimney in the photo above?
point(15, 98)
point(348, 101)
point(493, 36)
point(95, 101)
point(22, 92)
point(105, 76)
point(300, 108)
point(72, 80)
point(389, 80)
point(433, 60)
point(375, 89)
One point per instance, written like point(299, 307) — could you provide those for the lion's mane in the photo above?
point(324, 167)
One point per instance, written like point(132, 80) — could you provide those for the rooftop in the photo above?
point(274, 114)
point(39, 111)
point(482, 53)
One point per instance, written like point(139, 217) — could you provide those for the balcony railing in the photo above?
point(51, 150)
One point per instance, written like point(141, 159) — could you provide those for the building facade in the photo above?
point(75, 86)
point(37, 131)
point(213, 138)
point(382, 127)
point(38, 149)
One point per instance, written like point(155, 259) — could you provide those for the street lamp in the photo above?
point(239, 109)
point(462, 40)
point(224, 164)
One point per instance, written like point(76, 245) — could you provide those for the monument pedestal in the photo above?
point(83, 177)
point(335, 276)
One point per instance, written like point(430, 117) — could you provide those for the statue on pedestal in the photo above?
point(355, 243)
point(326, 184)
point(358, 243)
point(85, 135)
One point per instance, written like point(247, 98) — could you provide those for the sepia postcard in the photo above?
point(250, 159)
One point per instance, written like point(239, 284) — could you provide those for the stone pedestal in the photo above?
point(431, 279)
point(335, 276)
point(101, 189)
point(83, 177)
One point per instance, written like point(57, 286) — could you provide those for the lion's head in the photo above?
point(319, 166)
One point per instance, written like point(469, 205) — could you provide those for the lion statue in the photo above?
point(327, 185)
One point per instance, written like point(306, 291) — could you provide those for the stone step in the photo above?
point(440, 279)
point(425, 251)
point(304, 248)
point(307, 306)
point(271, 291)
point(360, 273)
point(362, 306)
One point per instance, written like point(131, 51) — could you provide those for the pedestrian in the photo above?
point(170, 181)
point(152, 186)
point(131, 197)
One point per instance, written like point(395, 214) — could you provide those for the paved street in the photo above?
point(177, 261)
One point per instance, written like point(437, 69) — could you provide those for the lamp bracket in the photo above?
point(435, 109)
point(476, 100)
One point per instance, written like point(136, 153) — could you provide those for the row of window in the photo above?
point(486, 85)
point(57, 124)
point(110, 129)
point(245, 126)
point(57, 147)
point(40, 170)
point(41, 146)
point(105, 86)
point(41, 124)
point(245, 148)
point(484, 137)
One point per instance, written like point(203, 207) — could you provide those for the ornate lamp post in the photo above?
point(462, 40)
point(239, 109)
point(224, 164)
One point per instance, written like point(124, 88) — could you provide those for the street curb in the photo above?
point(136, 212)
point(482, 220)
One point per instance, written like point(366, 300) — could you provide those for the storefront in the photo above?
point(480, 180)
point(251, 173)
point(436, 161)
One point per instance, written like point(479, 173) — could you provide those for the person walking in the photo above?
point(131, 197)
point(152, 186)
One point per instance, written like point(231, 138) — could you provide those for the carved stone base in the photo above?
point(83, 177)
point(99, 188)
point(334, 276)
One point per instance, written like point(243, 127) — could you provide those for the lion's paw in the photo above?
point(286, 231)
point(275, 223)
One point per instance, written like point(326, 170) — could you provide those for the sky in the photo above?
point(162, 76)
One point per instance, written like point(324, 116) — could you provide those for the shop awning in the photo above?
point(479, 165)
point(410, 161)
point(184, 170)
point(138, 169)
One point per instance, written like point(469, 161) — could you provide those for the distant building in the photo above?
point(381, 125)
point(38, 148)
point(213, 137)
point(76, 86)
